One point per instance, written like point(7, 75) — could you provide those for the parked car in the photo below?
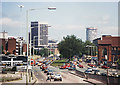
point(105, 67)
point(79, 65)
point(57, 77)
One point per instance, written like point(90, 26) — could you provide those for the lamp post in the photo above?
point(27, 12)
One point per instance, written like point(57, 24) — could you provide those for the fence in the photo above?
point(112, 80)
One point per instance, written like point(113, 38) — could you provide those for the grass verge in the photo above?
point(59, 62)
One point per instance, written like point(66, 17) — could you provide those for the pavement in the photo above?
point(22, 81)
point(92, 81)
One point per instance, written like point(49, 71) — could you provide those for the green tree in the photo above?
point(71, 46)
point(43, 52)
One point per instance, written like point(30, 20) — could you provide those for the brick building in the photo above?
point(108, 48)
point(24, 49)
point(12, 45)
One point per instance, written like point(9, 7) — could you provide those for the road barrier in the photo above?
point(112, 80)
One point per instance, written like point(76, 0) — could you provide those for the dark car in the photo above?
point(106, 67)
point(46, 70)
point(87, 71)
point(103, 74)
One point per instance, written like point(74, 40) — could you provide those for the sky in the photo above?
point(69, 18)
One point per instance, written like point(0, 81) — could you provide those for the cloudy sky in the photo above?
point(69, 17)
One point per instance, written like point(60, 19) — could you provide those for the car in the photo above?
point(57, 77)
point(103, 74)
point(97, 72)
point(115, 74)
point(105, 67)
point(49, 72)
point(39, 64)
point(71, 68)
point(67, 66)
point(79, 65)
point(87, 71)
point(44, 67)
point(63, 67)
point(94, 68)
point(91, 65)
point(46, 70)
point(52, 76)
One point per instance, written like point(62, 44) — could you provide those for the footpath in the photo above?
point(92, 81)
point(21, 81)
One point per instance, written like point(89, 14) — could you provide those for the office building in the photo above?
point(53, 47)
point(91, 34)
point(39, 34)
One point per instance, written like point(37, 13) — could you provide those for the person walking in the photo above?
point(48, 78)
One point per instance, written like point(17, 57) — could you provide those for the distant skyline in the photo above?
point(69, 18)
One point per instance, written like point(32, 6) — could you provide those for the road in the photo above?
point(66, 76)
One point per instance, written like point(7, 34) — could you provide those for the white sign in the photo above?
point(106, 57)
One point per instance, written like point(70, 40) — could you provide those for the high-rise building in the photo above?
point(39, 34)
point(91, 34)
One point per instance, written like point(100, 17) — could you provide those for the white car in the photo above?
point(57, 77)
point(94, 68)
point(89, 69)
point(52, 76)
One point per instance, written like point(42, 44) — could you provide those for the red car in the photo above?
point(91, 65)
point(79, 65)
point(68, 65)
point(44, 67)
point(104, 67)
point(63, 67)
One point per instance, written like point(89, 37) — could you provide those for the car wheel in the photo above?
point(54, 79)
point(60, 79)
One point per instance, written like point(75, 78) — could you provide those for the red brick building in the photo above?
point(108, 48)
point(24, 49)
point(12, 45)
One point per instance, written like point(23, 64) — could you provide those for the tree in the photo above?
point(44, 52)
point(71, 46)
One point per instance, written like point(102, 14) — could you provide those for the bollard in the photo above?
point(30, 76)
point(21, 75)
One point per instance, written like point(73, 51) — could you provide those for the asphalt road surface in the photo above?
point(66, 76)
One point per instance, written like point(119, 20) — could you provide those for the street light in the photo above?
point(27, 11)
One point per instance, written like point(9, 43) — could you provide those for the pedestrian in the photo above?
point(48, 78)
